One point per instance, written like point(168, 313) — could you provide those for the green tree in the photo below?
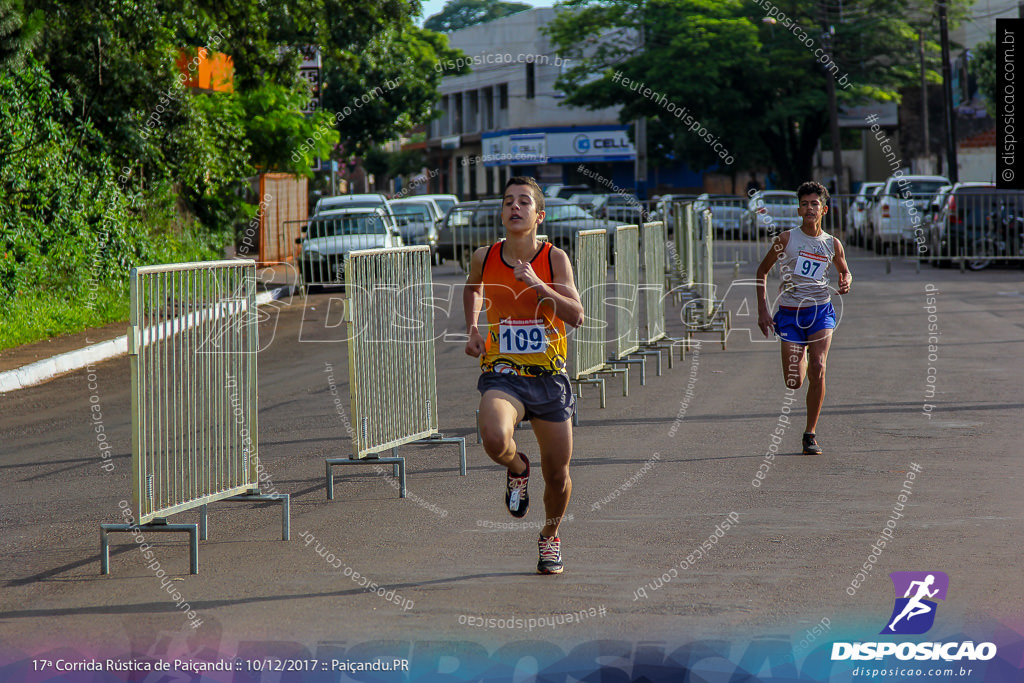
point(462, 13)
point(757, 87)
point(385, 165)
point(18, 33)
point(387, 88)
point(984, 67)
point(69, 217)
point(283, 138)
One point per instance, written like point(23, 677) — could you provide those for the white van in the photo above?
point(352, 201)
point(898, 215)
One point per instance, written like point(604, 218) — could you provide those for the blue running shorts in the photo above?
point(797, 324)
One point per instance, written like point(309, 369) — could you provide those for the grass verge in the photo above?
point(45, 314)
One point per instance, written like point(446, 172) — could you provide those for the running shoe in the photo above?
point(550, 561)
point(811, 446)
point(517, 499)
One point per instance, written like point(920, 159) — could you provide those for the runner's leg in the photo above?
point(794, 364)
point(499, 413)
point(817, 352)
point(555, 442)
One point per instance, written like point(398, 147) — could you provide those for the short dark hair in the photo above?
point(538, 194)
point(812, 187)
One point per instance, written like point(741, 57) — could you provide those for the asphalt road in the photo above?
point(654, 474)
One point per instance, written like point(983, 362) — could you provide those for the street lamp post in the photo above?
point(833, 105)
point(947, 94)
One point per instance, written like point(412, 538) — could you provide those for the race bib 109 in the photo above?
point(522, 336)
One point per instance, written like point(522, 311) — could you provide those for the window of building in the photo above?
point(503, 96)
point(442, 120)
point(488, 96)
point(530, 81)
point(473, 117)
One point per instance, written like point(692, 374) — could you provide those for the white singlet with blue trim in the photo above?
point(804, 267)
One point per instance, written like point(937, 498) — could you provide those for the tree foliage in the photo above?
point(757, 87)
point(985, 67)
point(69, 217)
point(108, 161)
point(459, 14)
point(19, 31)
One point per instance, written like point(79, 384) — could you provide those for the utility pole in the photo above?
point(924, 94)
point(947, 94)
point(641, 134)
point(828, 32)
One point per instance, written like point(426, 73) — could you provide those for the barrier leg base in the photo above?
point(441, 438)
point(716, 321)
point(599, 381)
point(667, 344)
point(618, 371)
point(651, 352)
point(157, 526)
point(257, 497)
point(330, 463)
point(630, 361)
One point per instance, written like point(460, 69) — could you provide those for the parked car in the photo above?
point(938, 202)
point(562, 220)
point(445, 201)
point(585, 200)
point(331, 235)
point(560, 191)
point(351, 201)
point(972, 215)
point(726, 212)
point(770, 212)
point(418, 220)
point(664, 207)
point(856, 217)
point(900, 209)
point(621, 208)
point(869, 217)
point(469, 225)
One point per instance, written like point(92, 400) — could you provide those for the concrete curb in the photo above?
point(48, 368)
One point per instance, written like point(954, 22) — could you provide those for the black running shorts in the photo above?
point(547, 398)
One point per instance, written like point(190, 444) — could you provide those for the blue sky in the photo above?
point(434, 6)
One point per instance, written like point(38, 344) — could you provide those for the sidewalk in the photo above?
point(31, 364)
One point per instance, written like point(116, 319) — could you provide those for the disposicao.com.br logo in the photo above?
point(914, 613)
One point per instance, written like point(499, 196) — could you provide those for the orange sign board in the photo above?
point(207, 70)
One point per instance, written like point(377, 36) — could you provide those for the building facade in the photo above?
point(505, 118)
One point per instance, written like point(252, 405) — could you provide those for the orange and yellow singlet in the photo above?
point(523, 336)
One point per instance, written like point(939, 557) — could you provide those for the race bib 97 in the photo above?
point(811, 266)
point(521, 336)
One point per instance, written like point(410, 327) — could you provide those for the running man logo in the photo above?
point(914, 612)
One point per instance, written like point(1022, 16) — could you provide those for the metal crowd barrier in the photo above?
point(392, 373)
point(680, 278)
point(653, 239)
point(706, 314)
point(627, 298)
point(328, 239)
point(976, 228)
point(192, 343)
point(588, 347)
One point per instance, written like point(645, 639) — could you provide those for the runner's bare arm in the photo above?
point(560, 294)
point(472, 302)
point(839, 261)
point(764, 314)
